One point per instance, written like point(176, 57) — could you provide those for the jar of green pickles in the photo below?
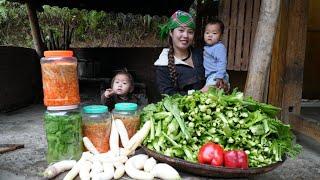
point(63, 131)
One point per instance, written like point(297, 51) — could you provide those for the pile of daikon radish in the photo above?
point(114, 163)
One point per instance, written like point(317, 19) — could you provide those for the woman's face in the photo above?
point(182, 37)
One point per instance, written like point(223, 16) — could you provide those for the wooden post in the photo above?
point(35, 29)
point(295, 55)
point(277, 72)
point(261, 49)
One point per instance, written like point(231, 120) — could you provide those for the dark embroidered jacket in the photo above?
point(188, 78)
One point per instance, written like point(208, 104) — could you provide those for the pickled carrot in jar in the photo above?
point(99, 134)
point(60, 81)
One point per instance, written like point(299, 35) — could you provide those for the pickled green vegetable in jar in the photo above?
point(63, 132)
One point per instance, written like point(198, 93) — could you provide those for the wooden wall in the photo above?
point(286, 75)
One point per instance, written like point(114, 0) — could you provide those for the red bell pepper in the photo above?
point(236, 159)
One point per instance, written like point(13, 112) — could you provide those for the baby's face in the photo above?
point(121, 84)
point(212, 34)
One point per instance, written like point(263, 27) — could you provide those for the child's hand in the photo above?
point(222, 85)
point(108, 93)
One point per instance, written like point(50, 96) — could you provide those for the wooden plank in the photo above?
point(239, 42)
point(308, 127)
point(255, 18)
point(276, 84)
point(225, 17)
point(295, 55)
point(232, 38)
point(247, 35)
point(10, 147)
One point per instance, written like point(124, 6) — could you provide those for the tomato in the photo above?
point(236, 159)
point(211, 153)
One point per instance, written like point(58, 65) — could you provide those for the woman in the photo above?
point(179, 67)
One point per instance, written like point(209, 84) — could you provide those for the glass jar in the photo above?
point(63, 131)
point(59, 78)
point(97, 126)
point(127, 112)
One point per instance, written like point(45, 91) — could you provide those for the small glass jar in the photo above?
point(63, 131)
point(60, 78)
point(97, 126)
point(127, 112)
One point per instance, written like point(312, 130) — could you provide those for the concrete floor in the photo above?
point(25, 126)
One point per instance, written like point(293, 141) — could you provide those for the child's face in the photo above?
point(121, 85)
point(212, 34)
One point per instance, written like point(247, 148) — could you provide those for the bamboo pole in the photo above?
point(260, 58)
point(35, 29)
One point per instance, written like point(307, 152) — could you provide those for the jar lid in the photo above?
point(59, 53)
point(92, 109)
point(126, 106)
point(59, 108)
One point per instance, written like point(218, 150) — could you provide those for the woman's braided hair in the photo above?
point(171, 64)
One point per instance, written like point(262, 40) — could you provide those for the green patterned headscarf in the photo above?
point(179, 18)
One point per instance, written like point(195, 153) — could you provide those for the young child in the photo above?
point(121, 90)
point(215, 57)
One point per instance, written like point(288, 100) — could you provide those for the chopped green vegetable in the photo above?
point(182, 124)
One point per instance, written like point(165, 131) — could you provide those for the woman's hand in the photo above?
point(108, 93)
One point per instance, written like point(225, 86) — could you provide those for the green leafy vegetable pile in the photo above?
point(182, 124)
point(64, 136)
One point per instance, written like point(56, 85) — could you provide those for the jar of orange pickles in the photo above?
point(59, 78)
point(97, 126)
point(129, 115)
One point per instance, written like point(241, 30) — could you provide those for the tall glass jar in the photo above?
point(127, 112)
point(59, 78)
point(97, 126)
point(63, 131)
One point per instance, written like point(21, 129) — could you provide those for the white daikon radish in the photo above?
point(139, 160)
point(85, 167)
point(76, 168)
point(136, 173)
point(165, 171)
point(88, 144)
point(119, 172)
point(114, 139)
point(108, 168)
point(124, 152)
point(96, 168)
point(106, 155)
point(149, 164)
point(121, 159)
point(122, 132)
point(59, 167)
point(137, 138)
point(102, 176)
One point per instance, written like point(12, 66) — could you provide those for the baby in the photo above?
point(215, 57)
point(121, 90)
